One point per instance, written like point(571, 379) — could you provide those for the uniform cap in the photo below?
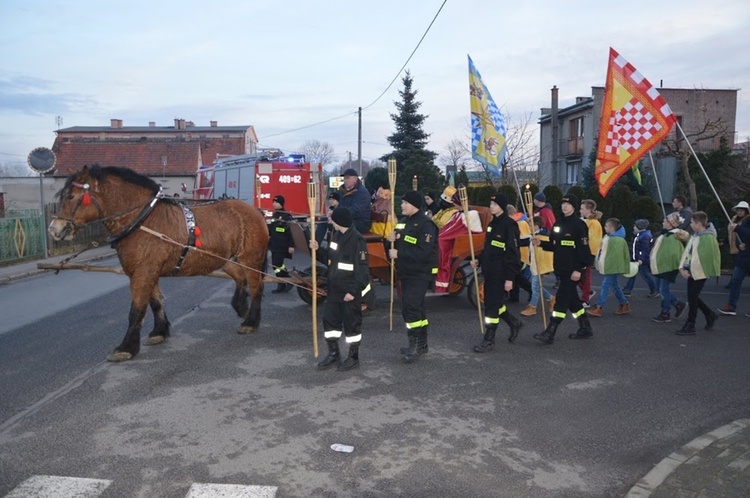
point(342, 217)
point(413, 198)
point(280, 199)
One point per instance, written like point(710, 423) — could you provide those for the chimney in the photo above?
point(115, 123)
point(555, 135)
point(214, 124)
point(152, 124)
point(179, 124)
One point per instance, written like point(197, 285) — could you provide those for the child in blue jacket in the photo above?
point(641, 254)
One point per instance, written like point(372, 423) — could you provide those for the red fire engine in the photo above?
point(257, 178)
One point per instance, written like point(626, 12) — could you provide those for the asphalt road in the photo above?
point(579, 418)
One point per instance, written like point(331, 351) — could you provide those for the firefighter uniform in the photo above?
point(279, 242)
point(569, 244)
point(500, 261)
point(416, 264)
point(348, 273)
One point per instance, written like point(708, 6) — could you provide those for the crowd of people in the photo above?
point(517, 251)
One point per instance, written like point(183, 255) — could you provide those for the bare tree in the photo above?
point(457, 155)
point(318, 152)
point(15, 168)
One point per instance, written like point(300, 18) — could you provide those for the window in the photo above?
point(575, 127)
point(572, 171)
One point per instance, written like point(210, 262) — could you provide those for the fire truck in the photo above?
point(257, 178)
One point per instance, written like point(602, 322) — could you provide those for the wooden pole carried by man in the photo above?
point(312, 201)
point(392, 182)
point(465, 205)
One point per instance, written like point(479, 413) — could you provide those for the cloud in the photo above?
point(28, 95)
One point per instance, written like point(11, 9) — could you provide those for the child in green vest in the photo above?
point(612, 261)
point(665, 264)
point(700, 261)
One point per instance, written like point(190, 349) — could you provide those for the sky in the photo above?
point(284, 65)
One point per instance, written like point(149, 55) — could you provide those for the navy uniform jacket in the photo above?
point(417, 247)
point(569, 242)
point(501, 257)
point(348, 263)
point(280, 234)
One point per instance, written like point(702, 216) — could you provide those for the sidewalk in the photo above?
point(715, 465)
point(29, 268)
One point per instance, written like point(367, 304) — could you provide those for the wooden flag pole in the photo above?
point(529, 203)
point(258, 188)
point(311, 201)
point(465, 204)
point(392, 182)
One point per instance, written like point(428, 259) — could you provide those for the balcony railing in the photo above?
point(571, 147)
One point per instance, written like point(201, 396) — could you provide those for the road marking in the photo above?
point(59, 487)
point(230, 491)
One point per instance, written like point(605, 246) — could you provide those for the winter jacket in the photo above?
point(569, 244)
point(701, 256)
point(741, 235)
point(280, 235)
point(417, 245)
point(666, 254)
point(642, 247)
point(541, 263)
point(500, 257)
point(357, 201)
point(548, 216)
point(348, 263)
point(613, 257)
point(595, 231)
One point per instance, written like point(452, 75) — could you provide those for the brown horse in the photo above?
point(126, 201)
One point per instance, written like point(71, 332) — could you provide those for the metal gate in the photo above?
point(21, 232)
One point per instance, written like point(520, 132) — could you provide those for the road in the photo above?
point(579, 418)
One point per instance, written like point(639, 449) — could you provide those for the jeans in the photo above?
point(735, 284)
point(610, 283)
point(667, 298)
point(645, 272)
point(535, 292)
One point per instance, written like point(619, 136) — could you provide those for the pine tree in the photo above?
point(409, 142)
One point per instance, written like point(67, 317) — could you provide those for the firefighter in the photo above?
point(348, 281)
point(416, 255)
point(501, 263)
point(280, 242)
point(570, 247)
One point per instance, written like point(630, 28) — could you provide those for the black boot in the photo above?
point(280, 287)
point(422, 347)
point(488, 341)
point(287, 287)
point(548, 336)
point(711, 318)
point(514, 323)
point(687, 329)
point(333, 356)
point(412, 353)
point(584, 330)
point(352, 361)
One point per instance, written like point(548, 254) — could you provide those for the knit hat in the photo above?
point(431, 195)
point(335, 195)
point(571, 199)
point(342, 217)
point(413, 198)
point(501, 200)
point(641, 224)
point(539, 196)
point(279, 199)
point(350, 172)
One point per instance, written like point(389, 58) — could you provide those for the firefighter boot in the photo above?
point(352, 361)
point(422, 347)
point(333, 356)
point(412, 352)
point(548, 336)
point(488, 341)
point(584, 328)
point(514, 323)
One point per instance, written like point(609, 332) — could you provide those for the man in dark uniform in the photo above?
point(416, 255)
point(569, 243)
point(280, 242)
point(348, 281)
point(501, 262)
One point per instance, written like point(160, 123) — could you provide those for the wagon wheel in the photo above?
point(322, 274)
point(458, 282)
point(472, 292)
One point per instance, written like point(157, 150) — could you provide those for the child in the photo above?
point(641, 251)
point(280, 243)
point(612, 261)
point(700, 261)
point(348, 280)
point(665, 263)
point(541, 264)
point(592, 218)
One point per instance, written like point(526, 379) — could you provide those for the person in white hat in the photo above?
point(739, 238)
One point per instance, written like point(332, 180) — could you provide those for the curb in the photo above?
point(648, 483)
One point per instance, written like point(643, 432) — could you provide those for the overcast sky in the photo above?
point(281, 65)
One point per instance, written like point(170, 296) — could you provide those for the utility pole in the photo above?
point(350, 159)
point(359, 141)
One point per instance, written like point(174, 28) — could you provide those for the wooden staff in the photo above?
point(258, 189)
point(392, 182)
point(465, 205)
point(414, 183)
point(528, 200)
point(311, 196)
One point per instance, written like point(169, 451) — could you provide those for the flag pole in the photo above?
point(528, 201)
point(392, 181)
point(658, 189)
point(704, 171)
point(311, 196)
point(465, 204)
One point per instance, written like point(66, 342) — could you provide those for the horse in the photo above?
point(232, 236)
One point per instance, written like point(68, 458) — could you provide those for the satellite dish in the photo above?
point(42, 160)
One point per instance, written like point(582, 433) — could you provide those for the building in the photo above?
point(171, 155)
point(568, 135)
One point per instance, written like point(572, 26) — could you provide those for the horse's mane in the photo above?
point(100, 173)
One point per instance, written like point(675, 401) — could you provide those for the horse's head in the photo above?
point(77, 205)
